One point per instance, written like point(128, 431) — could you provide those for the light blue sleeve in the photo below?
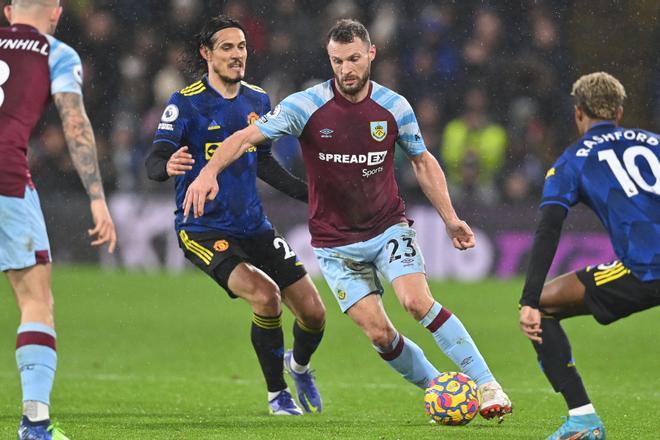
point(65, 68)
point(291, 115)
point(409, 137)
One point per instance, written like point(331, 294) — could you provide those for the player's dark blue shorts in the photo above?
point(613, 292)
point(218, 254)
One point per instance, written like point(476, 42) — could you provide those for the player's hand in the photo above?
point(104, 228)
point(180, 162)
point(204, 187)
point(461, 235)
point(530, 323)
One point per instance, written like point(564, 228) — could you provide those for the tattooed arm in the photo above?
point(82, 148)
point(80, 138)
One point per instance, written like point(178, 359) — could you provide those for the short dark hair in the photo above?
point(205, 37)
point(346, 30)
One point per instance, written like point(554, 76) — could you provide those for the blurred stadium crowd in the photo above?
point(489, 81)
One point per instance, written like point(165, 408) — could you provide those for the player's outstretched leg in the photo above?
point(253, 285)
point(305, 302)
point(557, 363)
point(400, 353)
point(455, 342)
point(563, 297)
point(409, 360)
point(453, 339)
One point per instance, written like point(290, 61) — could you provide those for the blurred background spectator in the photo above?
point(489, 80)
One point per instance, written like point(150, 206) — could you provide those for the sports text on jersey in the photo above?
point(612, 136)
point(371, 158)
point(23, 44)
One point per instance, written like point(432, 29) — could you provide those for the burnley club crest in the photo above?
point(378, 130)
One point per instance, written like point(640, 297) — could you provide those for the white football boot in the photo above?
point(493, 401)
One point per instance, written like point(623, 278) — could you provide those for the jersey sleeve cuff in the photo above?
point(555, 202)
point(264, 131)
point(176, 144)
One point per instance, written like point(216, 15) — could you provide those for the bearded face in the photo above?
point(351, 64)
point(229, 54)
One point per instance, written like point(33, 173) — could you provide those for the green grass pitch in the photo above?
point(161, 356)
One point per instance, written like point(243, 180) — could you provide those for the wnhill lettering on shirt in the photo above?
point(24, 44)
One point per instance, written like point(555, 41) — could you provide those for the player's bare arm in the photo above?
point(82, 148)
point(432, 180)
point(205, 186)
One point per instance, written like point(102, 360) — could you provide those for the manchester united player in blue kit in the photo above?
point(348, 128)
point(34, 66)
point(233, 242)
point(616, 172)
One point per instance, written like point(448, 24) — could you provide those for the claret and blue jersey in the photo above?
point(200, 118)
point(348, 149)
point(616, 172)
point(33, 66)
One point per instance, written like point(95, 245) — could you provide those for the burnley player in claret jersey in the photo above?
point(35, 67)
point(616, 172)
point(348, 128)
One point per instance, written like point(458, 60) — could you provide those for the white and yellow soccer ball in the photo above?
point(452, 399)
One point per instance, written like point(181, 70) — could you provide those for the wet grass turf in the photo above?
point(162, 356)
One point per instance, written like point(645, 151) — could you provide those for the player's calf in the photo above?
point(404, 356)
point(456, 343)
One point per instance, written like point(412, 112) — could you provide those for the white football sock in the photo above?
point(272, 395)
point(582, 410)
point(35, 411)
point(295, 366)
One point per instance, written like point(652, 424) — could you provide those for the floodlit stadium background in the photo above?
point(505, 68)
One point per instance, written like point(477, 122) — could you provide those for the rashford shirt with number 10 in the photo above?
point(348, 150)
point(199, 117)
point(616, 172)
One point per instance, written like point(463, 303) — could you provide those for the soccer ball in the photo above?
point(452, 399)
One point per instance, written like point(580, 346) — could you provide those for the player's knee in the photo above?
point(416, 305)
point(313, 316)
point(381, 336)
point(266, 297)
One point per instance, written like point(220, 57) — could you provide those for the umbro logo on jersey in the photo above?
point(326, 133)
point(214, 125)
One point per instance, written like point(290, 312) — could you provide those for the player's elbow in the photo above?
point(156, 166)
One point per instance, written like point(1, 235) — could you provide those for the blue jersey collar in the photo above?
point(602, 125)
point(205, 80)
